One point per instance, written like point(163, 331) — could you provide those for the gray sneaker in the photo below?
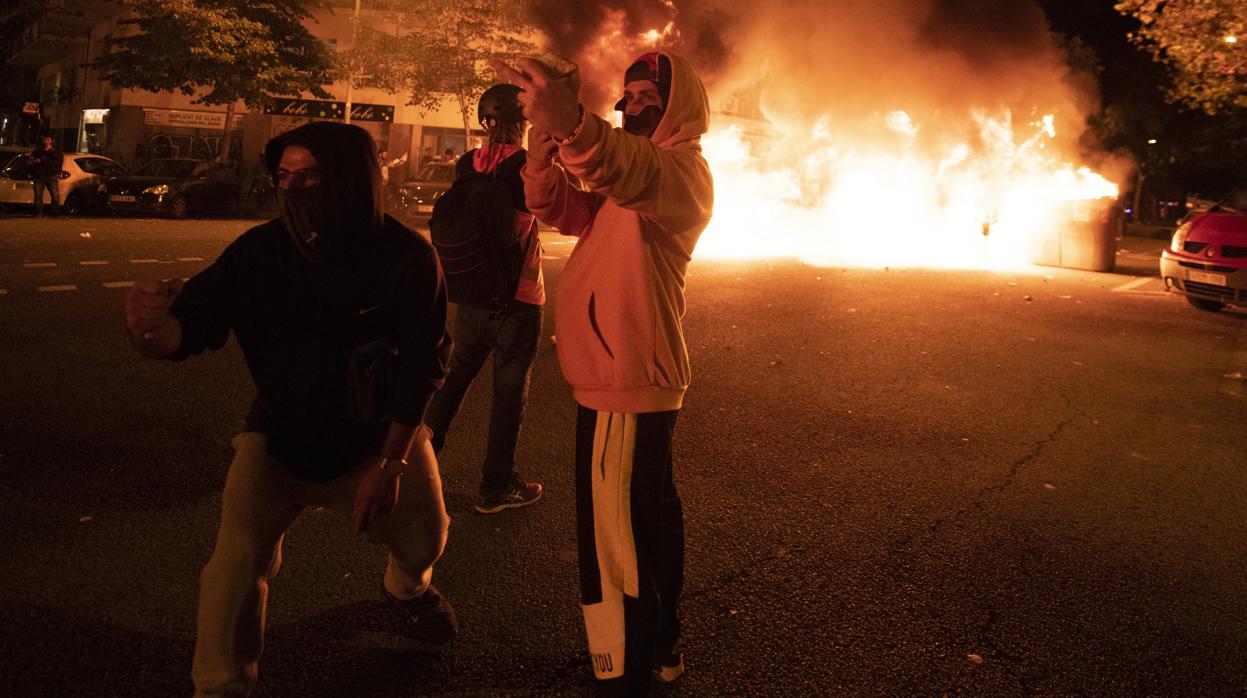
point(519, 493)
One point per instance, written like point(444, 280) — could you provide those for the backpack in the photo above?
point(473, 231)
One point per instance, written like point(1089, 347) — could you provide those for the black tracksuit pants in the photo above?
point(630, 531)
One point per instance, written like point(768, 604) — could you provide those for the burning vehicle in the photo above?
point(1206, 260)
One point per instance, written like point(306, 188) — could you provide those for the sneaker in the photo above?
point(428, 618)
point(669, 667)
point(518, 494)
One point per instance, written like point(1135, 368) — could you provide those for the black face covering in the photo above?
point(306, 215)
point(642, 121)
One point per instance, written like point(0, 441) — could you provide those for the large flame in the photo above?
point(898, 200)
point(885, 133)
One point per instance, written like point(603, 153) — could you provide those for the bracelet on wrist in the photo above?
point(393, 466)
point(575, 132)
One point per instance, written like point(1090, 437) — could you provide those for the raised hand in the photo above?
point(550, 100)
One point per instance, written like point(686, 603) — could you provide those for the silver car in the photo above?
point(81, 182)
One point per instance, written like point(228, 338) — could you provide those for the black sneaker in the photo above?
point(669, 666)
point(517, 494)
point(428, 618)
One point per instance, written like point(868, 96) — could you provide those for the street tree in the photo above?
point(227, 50)
point(433, 49)
point(1204, 41)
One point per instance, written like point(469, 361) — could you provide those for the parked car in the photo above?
point(417, 195)
point(81, 185)
point(175, 187)
point(1207, 258)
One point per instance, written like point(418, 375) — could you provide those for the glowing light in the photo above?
point(651, 37)
point(1151, 141)
point(1231, 39)
point(895, 200)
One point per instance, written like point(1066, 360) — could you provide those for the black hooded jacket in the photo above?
point(378, 302)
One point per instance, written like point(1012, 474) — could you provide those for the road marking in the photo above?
point(3, 291)
point(93, 263)
point(55, 289)
point(1133, 284)
point(145, 261)
point(39, 265)
point(190, 259)
point(549, 256)
point(118, 284)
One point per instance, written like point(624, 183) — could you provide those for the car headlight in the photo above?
point(1179, 237)
point(158, 189)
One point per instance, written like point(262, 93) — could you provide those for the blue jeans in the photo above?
point(511, 336)
point(54, 192)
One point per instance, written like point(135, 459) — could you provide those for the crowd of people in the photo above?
point(341, 315)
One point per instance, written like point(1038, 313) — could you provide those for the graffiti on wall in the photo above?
point(177, 145)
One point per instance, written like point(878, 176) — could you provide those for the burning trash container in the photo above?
point(1085, 238)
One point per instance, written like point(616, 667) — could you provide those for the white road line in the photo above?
point(1133, 284)
point(39, 265)
point(190, 259)
point(118, 284)
point(145, 261)
point(550, 256)
point(93, 262)
point(56, 289)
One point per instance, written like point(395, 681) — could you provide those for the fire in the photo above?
point(897, 199)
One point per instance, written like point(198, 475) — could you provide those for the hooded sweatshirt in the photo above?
point(621, 296)
point(374, 301)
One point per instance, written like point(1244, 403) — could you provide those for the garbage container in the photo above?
point(1086, 239)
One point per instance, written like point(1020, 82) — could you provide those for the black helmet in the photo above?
point(501, 104)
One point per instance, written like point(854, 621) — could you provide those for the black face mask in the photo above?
point(305, 215)
point(643, 122)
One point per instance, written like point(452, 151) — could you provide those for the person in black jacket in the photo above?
point(509, 332)
point(45, 172)
point(340, 312)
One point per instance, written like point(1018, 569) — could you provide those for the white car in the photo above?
point(81, 182)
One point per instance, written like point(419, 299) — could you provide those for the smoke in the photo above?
point(845, 65)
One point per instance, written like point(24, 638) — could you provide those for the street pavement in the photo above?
point(896, 481)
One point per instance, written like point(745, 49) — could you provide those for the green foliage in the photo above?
point(438, 48)
point(1205, 42)
point(233, 49)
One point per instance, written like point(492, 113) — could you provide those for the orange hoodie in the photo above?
point(621, 296)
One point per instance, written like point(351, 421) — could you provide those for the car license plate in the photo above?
point(121, 197)
point(424, 208)
point(1206, 278)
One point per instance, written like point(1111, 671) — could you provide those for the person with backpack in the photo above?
point(491, 255)
point(646, 197)
point(340, 313)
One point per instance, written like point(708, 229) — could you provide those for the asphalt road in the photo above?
point(897, 482)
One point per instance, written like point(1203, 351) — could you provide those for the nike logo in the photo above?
point(365, 311)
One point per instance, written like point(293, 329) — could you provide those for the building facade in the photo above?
point(69, 99)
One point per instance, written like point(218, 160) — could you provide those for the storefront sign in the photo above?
point(320, 109)
point(191, 119)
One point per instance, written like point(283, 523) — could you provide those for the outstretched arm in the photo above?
point(548, 193)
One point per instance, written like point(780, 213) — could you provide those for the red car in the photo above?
point(1207, 258)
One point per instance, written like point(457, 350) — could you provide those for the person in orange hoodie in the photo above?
point(646, 197)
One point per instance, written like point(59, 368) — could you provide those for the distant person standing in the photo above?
point(45, 172)
point(448, 155)
point(387, 163)
point(499, 291)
